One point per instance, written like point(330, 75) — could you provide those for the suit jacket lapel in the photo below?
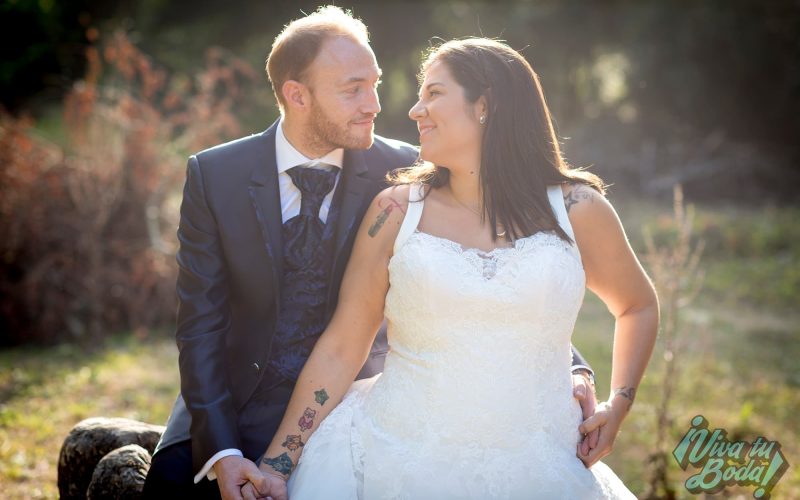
point(357, 187)
point(266, 199)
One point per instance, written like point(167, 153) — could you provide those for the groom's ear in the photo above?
point(295, 94)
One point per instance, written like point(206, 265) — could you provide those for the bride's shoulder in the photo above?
point(394, 198)
point(387, 211)
point(578, 193)
point(590, 213)
point(399, 193)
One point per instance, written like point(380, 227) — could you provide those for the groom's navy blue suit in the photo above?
point(229, 286)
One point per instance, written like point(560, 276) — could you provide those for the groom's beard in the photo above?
point(326, 135)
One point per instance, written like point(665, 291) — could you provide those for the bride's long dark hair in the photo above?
point(520, 154)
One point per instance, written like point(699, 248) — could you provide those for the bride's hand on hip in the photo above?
point(606, 421)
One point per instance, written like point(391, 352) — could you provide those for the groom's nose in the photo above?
point(372, 104)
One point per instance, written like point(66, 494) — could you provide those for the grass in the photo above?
point(44, 392)
point(739, 374)
point(738, 367)
point(740, 340)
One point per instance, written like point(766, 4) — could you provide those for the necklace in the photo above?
point(499, 235)
point(476, 212)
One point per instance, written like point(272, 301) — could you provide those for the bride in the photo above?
point(479, 258)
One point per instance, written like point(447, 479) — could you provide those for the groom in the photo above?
point(267, 226)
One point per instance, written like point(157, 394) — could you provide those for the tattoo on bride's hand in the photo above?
point(282, 463)
point(381, 218)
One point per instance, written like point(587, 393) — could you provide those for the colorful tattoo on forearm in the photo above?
point(381, 218)
point(321, 396)
point(577, 193)
point(293, 442)
point(281, 463)
point(307, 420)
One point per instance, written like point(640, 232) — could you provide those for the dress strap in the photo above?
point(416, 201)
point(556, 196)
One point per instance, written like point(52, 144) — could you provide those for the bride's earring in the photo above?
point(501, 234)
point(482, 119)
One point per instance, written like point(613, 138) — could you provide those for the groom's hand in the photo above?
point(234, 472)
point(583, 390)
point(275, 489)
point(607, 420)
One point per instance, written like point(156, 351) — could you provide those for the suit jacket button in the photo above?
point(256, 367)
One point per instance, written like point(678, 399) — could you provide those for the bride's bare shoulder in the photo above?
point(398, 194)
point(591, 215)
point(578, 197)
point(387, 211)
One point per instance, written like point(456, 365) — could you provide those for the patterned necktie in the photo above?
point(302, 233)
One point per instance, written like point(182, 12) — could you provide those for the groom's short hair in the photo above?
point(296, 47)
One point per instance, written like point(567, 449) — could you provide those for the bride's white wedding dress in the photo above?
point(476, 397)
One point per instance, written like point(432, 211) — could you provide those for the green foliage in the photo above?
point(40, 51)
point(740, 232)
point(739, 344)
point(751, 255)
point(742, 377)
point(768, 281)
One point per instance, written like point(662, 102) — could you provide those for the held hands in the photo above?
point(583, 390)
point(275, 486)
point(233, 472)
point(239, 478)
point(606, 421)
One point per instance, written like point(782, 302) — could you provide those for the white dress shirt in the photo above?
point(286, 156)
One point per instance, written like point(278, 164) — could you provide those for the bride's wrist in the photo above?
point(280, 466)
point(621, 400)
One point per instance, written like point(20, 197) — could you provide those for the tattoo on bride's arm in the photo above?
point(626, 392)
point(282, 463)
point(293, 442)
point(321, 396)
point(390, 205)
point(307, 420)
point(577, 193)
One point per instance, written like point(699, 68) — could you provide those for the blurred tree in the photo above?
point(647, 89)
point(42, 47)
point(719, 64)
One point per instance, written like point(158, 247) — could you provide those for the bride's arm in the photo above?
point(344, 345)
point(613, 272)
